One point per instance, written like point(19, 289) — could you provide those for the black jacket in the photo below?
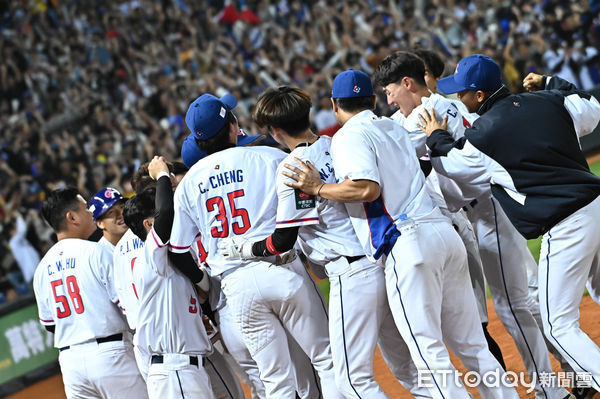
point(527, 147)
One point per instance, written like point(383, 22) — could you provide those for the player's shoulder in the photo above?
point(265, 152)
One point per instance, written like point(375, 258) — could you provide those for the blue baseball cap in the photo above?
point(208, 114)
point(191, 153)
point(103, 200)
point(352, 83)
point(476, 72)
point(244, 139)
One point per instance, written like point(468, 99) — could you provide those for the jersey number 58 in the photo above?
point(73, 291)
point(238, 227)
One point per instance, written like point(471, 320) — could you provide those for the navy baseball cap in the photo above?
point(103, 200)
point(476, 72)
point(191, 153)
point(208, 114)
point(352, 83)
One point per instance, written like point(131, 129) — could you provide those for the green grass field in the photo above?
point(534, 245)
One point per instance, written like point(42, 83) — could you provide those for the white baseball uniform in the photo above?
point(240, 361)
point(358, 308)
point(229, 193)
point(74, 292)
point(427, 279)
point(503, 253)
point(434, 184)
point(125, 255)
point(170, 326)
point(544, 186)
point(221, 370)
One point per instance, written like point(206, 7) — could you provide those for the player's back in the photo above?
point(325, 232)
point(73, 293)
point(169, 318)
point(125, 254)
point(229, 193)
point(401, 181)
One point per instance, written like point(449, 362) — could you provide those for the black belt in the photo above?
point(471, 204)
point(110, 338)
point(159, 359)
point(352, 259)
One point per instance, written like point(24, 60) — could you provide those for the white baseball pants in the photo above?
point(105, 370)
point(504, 254)
point(431, 298)
point(266, 300)
point(570, 252)
point(359, 318)
point(223, 380)
point(467, 235)
point(176, 378)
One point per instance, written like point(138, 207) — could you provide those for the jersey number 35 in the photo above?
point(240, 226)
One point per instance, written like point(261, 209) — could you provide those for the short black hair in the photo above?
point(56, 206)
point(354, 104)
point(398, 65)
point(219, 141)
point(284, 107)
point(138, 208)
point(179, 168)
point(433, 61)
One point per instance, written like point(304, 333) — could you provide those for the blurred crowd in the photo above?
point(90, 89)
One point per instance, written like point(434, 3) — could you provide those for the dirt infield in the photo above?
point(52, 388)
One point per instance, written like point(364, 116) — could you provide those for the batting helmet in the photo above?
point(103, 200)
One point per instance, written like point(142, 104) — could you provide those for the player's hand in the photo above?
point(235, 248)
point(156, 166)
point(307, 177)
point(533, 82)
point(285, 258)
point(429, 122)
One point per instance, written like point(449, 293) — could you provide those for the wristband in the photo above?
point(319, 190)
point(163, 173)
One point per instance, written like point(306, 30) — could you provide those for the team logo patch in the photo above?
point(110, 193)
point(217, 167)
point(356, 89)
point(516, 104)
point(326, 153)
point(303, 200)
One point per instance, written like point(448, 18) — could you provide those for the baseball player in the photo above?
point(443, 191)
point(232, 192)
point(554, 195)
point(169, 324)
point(326, 237)
point(506, 275)
point(107, 210)
point(224, 383)
point(393, 215)
point(434, 68)
point(76, 301)
point(307, 385)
